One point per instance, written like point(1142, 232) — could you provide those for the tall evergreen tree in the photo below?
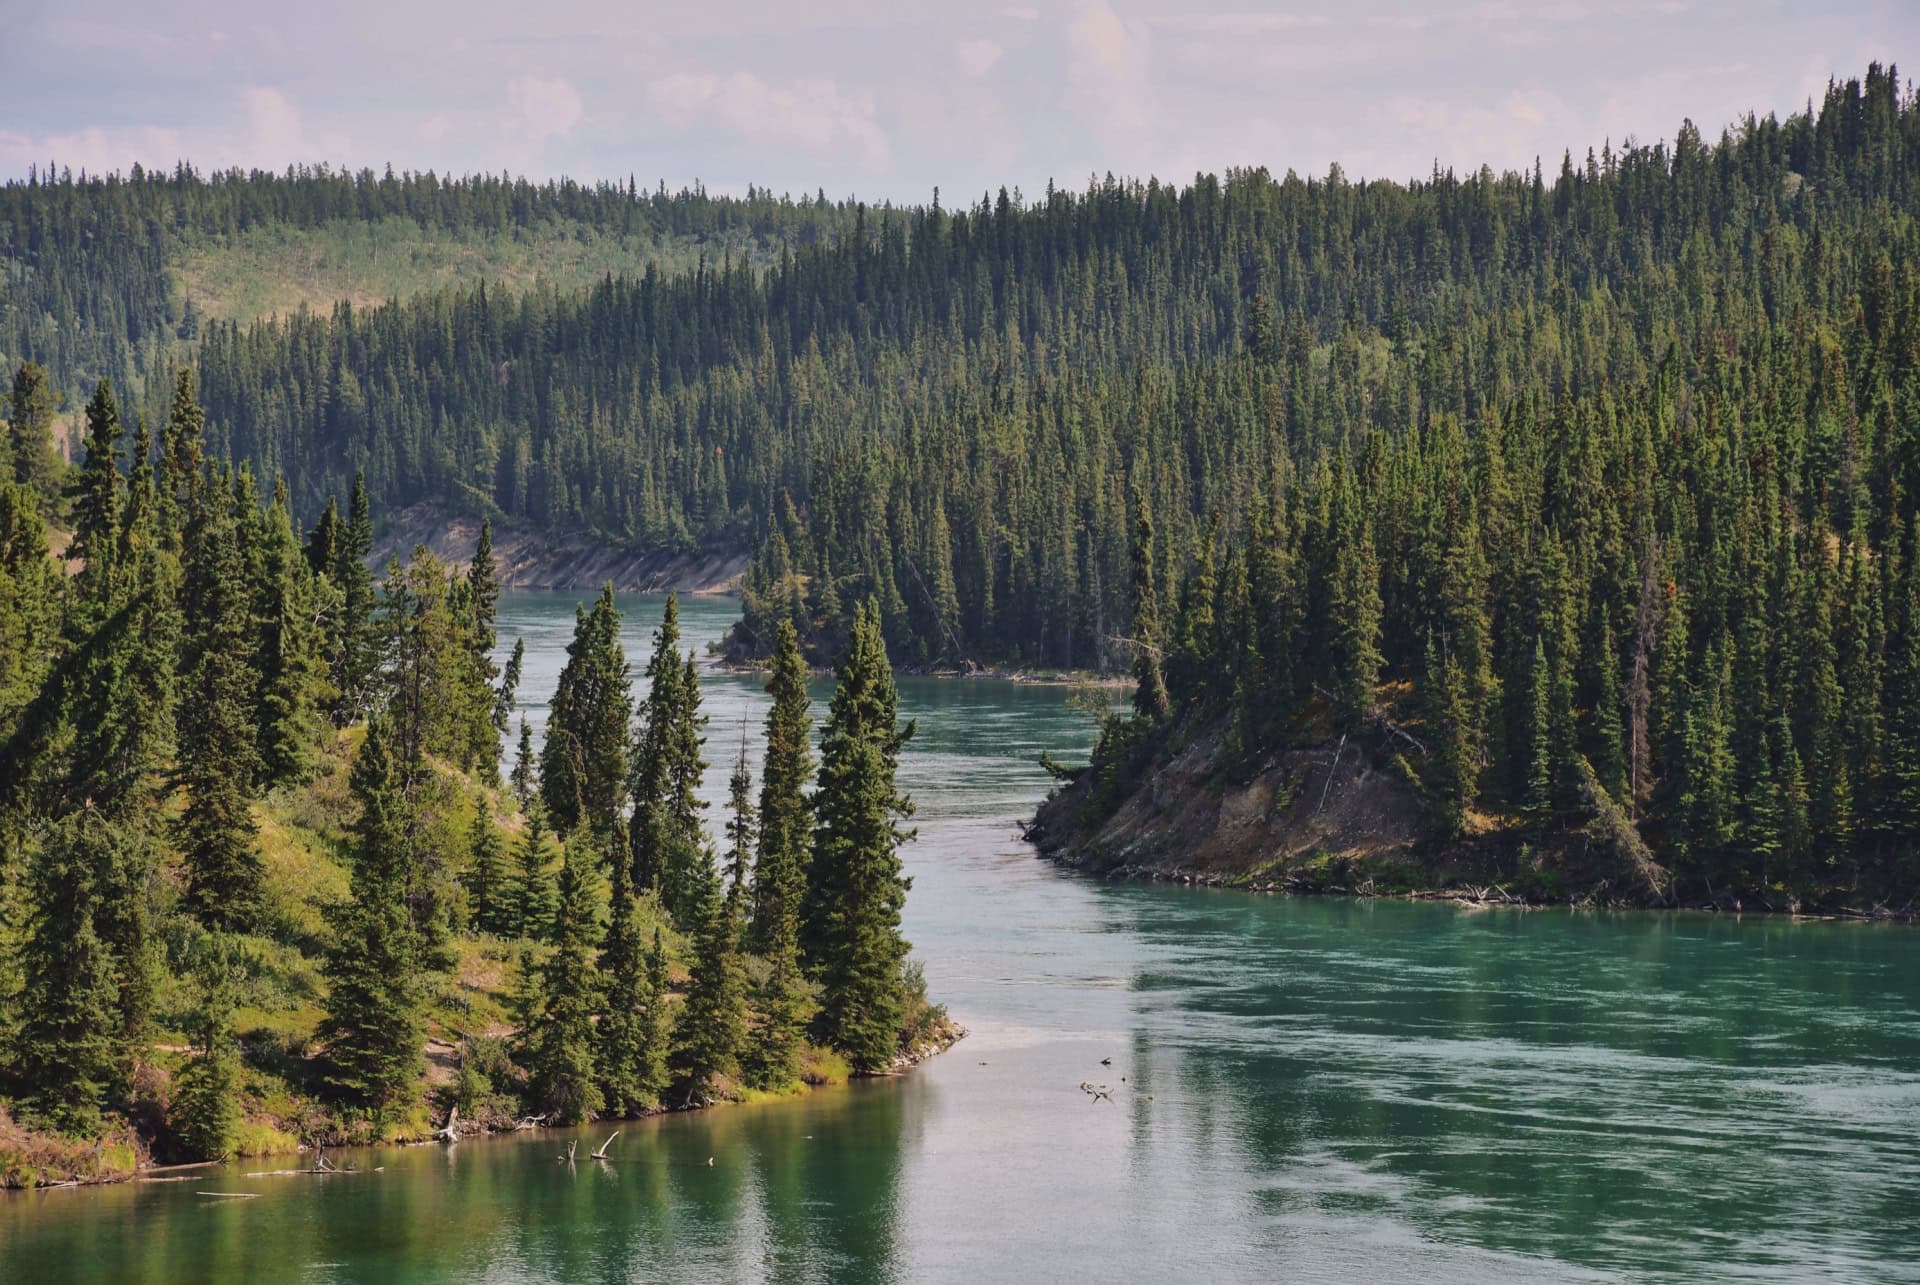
point(67, 1048)
point(857, 889)
point(218, 757)
point(786, 819)
point(713, 1025)
point(353, 647)
point(372, 1031)
point(36, 464)
point(557, 1047)
point(490, 901)
point(205, 1111)
point(1150, 687)
point(583, 766)
point(96, 490)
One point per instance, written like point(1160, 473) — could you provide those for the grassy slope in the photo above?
point(303, 836)
point(277, 269)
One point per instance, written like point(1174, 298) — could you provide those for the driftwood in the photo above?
point(572, 1146)
point(529, 1122)
point(446, 1132)
point(601, 1154)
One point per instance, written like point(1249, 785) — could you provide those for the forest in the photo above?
point(258, 861)
point(1588, 492)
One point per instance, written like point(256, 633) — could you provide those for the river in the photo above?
point(1311, 1089)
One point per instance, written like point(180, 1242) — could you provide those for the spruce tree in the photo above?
point(289, 659)
point(509, 689)
point(490, 901)
point(786, 818)
point(784, 1003)
point(182, 459)
point(583, 766)
point(522, 781)
point(205, 1112)
point(372, 1031)
point(67, 1048)
point(557, 1047)
point(96, 489)
point(30, 430)
point(218, 757)
point(630, 1053)
point(1150, 700)
point(852, 934)
point(353, 648)
point(713, 1027)
point(534, 894)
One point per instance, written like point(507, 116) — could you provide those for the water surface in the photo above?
point(1309, 1089)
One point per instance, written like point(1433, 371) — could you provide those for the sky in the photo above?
point(892, 100)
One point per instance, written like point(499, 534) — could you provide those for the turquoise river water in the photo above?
point(1304, 1089)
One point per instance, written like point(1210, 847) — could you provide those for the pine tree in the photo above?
point(323, 542)
point(490, 903)
point(353, 649)
point(857, 890)
point(182, 458)
point(534, 894)
point(557, 1047)
point(774, 1047)
point(30, 430)
point(217, 759)
point(96, 490)
point(522, 781)
point(1354, 609)
point(372, 1031)
point(289, 659)
point(67, 1049)
point(1150, 699)
point(622, 1054)
point(713, 1026)
point(583, 766)
point(509, 688)
point(482, 601)
point(1193, 670)
point(670, 854)
point(786, 819)
point(205, 1112)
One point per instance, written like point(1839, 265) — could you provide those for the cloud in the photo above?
point(547, 108)
point(1237, 24)
point(1264, 60)
point(813, 113)
point(94, 150)
point(1023, 13)
point(271, 136)
point(1107, 66)
point(977, 57)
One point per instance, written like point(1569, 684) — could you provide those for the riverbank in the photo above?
point(527, 558)
point(32, 1159)
point(1347, 818)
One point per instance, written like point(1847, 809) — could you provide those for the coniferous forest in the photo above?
point(1584, 496)
point(220, 720)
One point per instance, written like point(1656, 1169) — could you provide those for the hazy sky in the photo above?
point(890, 99)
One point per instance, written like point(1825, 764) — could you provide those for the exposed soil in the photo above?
point(530, 559)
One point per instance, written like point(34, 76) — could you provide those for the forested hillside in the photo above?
point(261, 883)
point(1610, 466)
point(964, 403)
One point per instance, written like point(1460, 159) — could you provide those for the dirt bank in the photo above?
point(530, 559)
point(1346, 817)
